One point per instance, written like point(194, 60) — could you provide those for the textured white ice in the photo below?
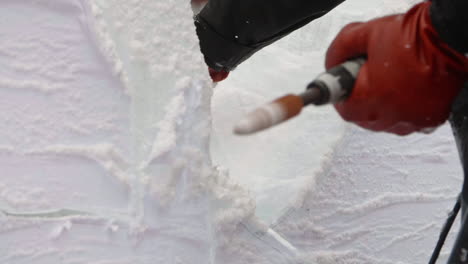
point(105, 148)
point(105, 141)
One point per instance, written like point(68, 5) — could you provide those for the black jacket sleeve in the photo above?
point(450, 19)
point(230, 31)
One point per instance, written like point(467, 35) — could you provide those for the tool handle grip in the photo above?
point(334, 85)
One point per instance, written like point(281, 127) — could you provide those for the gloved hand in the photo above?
point(198, 5)
point(217, 76)
point(410, 78)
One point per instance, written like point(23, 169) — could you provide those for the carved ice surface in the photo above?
point(108, 152)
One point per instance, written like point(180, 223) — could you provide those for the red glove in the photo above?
point(198, 5)
point(410, 78)
point(217, 76)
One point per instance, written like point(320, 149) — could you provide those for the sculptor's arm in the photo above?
point(230, 31)
point(450, 19)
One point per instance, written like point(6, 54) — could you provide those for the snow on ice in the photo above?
point(116, 148)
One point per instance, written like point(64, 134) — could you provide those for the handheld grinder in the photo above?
point(332, 86)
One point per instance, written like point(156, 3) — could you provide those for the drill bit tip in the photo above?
point(269, 115)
